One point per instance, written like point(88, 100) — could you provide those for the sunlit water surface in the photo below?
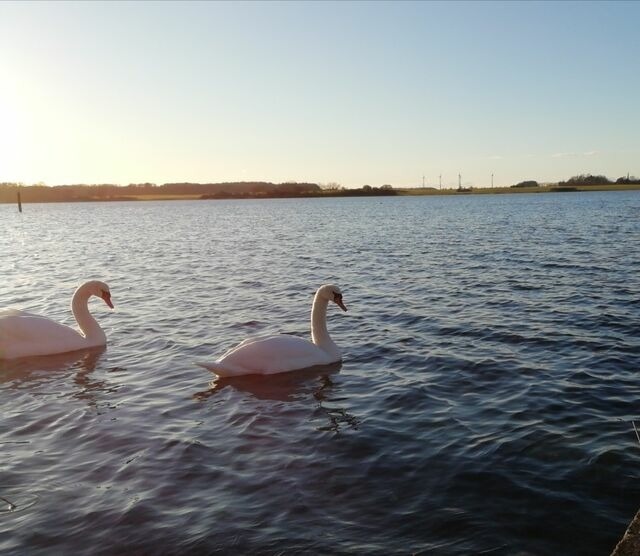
point(484, 405)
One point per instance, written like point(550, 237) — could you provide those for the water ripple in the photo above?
point(484, 405)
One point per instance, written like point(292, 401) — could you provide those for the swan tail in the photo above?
point(219, 369)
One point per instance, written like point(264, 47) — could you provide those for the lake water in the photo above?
point(484, 404)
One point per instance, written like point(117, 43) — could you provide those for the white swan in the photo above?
point(282, 353)
point(25, 335)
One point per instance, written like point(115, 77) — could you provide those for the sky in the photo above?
point(352, 93)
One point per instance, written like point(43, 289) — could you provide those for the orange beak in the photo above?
point(340, 304)
point(106, 296)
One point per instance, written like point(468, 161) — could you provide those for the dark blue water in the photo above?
point(484, 405)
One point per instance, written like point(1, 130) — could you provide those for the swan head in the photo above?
point(332, 293)
point(99, 289)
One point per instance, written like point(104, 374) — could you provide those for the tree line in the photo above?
point(84, 192)
point(40, 193)
point(584, 180)
point(588, 179)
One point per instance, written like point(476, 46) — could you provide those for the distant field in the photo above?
point(429, 191)
point(160, 197)
point(397, 191)
point(502, 190)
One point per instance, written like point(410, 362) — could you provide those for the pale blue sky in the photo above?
point(355, 93)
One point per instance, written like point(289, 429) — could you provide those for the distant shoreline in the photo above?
point(349, 193)
point(551, 188)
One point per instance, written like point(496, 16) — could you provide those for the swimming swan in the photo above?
point(282, 353)
point(24, 334)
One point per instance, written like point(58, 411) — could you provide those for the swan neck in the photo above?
point(319, 334)
point(87, 324)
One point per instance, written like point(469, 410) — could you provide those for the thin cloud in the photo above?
point(572, 155)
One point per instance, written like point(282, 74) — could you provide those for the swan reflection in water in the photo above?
point(26, 368)
point(315, 382)
point(30, 371)
point(281, 387)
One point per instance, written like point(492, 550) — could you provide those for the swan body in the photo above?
point(24, 334)
point(282, 353)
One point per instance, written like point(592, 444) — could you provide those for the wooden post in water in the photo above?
point(19, 200)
